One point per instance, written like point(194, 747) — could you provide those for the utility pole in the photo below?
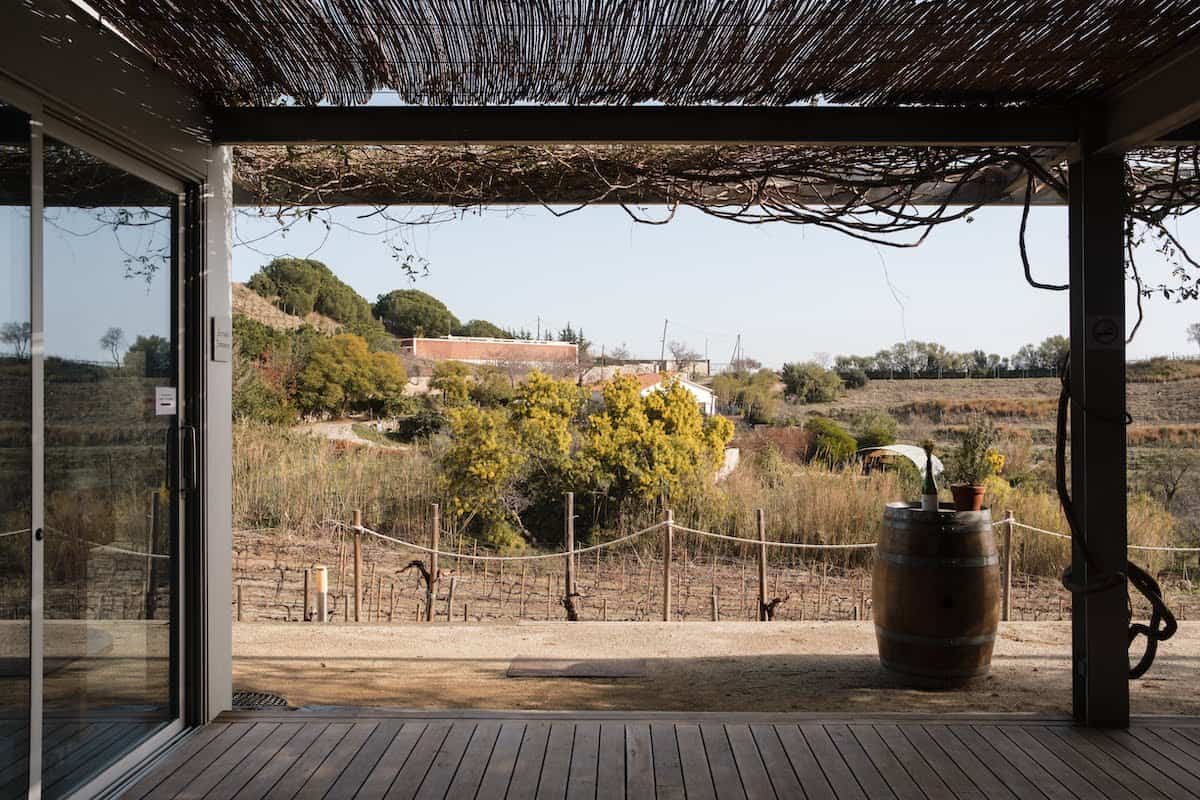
point(539, 329)
point(662, 352)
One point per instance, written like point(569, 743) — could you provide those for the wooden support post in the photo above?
point(391, 599)
point(569, 539)
point(549, 597)
point(357, 564)
point(668, 548)
point(1006, 577)
point(604, 609)
point(1100, 619)
point(435, 537)
point(304, 616)
point(521, 597)
point(716, 604)
point(239, 602)
point(378, 598)
point(450, 599)
point(760, 519)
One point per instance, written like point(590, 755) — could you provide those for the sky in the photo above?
point(791, 291)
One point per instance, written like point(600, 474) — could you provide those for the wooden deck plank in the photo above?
point(302, 769)
point(697, 778)
point(1158, 760)
point(803, 762)
point(1010, 776)
point(1072, 774)
point(610, 776)
point(922, 773)
point(721, 764)
point(398, 751)
point(1026, 765)
point(557, 766)
point(475, 760)
point(750, 766)
point(447, 761)
point(779, 767)
point(244, 748)
point(183, 767)
point(355, 772)
point(972, 767)
point(96, 753)
point(232, 782)
point(836, 769)
point(528, 768)
point(1101, 761)
point(1179, 750)
point(668, 773)
point(859, 762)
point(503, 760)
point(325, 775)
point(890, 768)
point(324, 756)
point(1128, 761)
point(280, 763)
point(410, 777)
point(583, 777)
point(639, 761)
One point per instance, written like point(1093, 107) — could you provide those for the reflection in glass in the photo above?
point(109, 250)
point(15, 453)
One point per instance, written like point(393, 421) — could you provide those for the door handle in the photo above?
point(191, 458)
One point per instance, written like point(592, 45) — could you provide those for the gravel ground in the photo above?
point(727, 666)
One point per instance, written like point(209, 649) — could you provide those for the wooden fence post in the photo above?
point(391, 599)
point(549, 597)
point(760, 519)
point(435, 536)
point(716, 604)
point(1006, 586)
point(357, 564)
point(569, 538)
point(450, 600)
point(668, 548)
point(239, 602)
point(304, 615)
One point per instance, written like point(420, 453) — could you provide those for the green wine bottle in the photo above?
point(929, 490)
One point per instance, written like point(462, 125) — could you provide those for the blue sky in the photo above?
point(791, 291)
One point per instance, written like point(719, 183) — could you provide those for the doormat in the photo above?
point(251, 701)
point(577, 668)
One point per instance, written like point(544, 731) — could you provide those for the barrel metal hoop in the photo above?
point(903, 560)
point(935, 641)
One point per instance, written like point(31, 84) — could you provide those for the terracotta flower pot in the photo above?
point(967, 496)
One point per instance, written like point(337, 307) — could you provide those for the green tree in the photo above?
point(875, 429)
point(491, 387)
point(451, 379)
point(410, 312)
point(482, 328)
point(150, 356)
point(810, 382)
point(342, 373)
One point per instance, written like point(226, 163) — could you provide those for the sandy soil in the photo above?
point(745, 666)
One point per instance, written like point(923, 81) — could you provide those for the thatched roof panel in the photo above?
point(252, 52)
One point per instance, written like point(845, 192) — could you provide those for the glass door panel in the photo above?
point(16, 457)
point(110, 244)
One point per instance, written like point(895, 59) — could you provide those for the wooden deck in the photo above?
point(365, 754)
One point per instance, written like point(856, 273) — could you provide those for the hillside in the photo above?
point(250, 304)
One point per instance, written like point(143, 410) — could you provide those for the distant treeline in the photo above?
point(914, 359)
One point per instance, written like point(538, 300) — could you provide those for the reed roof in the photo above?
point(771, 52)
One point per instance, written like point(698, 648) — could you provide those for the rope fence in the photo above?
point(840, 592)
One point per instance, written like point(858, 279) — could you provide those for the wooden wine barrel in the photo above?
point(936, 592)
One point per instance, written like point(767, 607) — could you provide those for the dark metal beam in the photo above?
point(1153, 105)
point(1099, 619)
point(814, 125)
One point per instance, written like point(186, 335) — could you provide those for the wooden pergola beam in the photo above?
point(1161, 104)
point(813, 125)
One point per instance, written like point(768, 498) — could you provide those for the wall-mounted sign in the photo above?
point(1104, 333)
point(165, 402)
point(222, 340)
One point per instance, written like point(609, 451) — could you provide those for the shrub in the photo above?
point(975, 457)
point(810, 382)
point(875, 429)
point(854, 378)
point(830, 442)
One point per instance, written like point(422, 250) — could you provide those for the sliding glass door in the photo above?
point(16, 453)
point(89, 458)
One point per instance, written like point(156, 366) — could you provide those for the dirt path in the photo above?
point(787, 666)
point(342, 430)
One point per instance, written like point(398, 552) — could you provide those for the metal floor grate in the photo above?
point(253, 700)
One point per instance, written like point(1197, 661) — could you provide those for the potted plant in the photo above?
point(972, 462)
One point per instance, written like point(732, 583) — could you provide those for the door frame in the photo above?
point(187, 455)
